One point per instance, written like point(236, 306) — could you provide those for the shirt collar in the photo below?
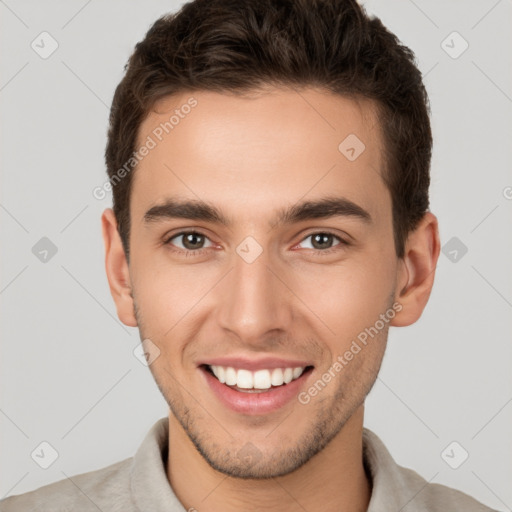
point(149, 485)
point(390, 491)
point(151, 490)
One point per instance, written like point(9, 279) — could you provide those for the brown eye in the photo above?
point(323, 241)
point(188, 241)
point(193, 241)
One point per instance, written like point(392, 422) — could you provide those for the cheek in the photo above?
point(157, 295)
point(169, 298)
point(348, 297)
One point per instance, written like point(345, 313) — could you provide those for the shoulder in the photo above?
point(107, 488)
point(434, 497)
point(399, 488)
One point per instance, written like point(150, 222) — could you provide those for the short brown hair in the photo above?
point(237, 46)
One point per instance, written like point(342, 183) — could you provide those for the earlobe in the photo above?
point(416, 275)
point(117, 269)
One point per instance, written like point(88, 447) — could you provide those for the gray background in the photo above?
point(68, 373)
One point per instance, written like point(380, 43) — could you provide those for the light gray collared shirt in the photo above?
point(139, 484)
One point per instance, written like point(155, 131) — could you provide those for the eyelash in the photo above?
point(199, 252)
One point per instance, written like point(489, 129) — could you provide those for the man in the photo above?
point(269, 162)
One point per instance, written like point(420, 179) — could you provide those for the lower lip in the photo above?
point(258, 402)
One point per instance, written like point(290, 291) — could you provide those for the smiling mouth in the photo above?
point(260, 381)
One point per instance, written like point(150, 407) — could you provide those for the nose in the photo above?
point(255, 303)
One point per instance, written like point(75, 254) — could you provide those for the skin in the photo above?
point(251, 156)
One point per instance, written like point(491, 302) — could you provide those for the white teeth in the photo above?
point(244, 379)
point(260, 379)
point(220, 373)
point(277, 377)
point(230, 376)
point(297, 372)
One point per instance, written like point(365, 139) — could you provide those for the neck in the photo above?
point(332, 480)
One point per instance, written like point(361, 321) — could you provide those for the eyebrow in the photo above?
point(324, 208)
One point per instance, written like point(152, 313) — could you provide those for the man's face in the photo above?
point(263, 293)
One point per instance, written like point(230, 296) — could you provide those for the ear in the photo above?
point(118, 274)
point(417, 271)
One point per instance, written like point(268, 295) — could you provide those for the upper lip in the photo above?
point(252, 364)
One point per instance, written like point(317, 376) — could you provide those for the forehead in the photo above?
point(245, 153)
